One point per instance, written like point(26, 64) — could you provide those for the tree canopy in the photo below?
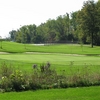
point(89, 19)
point(81, 26)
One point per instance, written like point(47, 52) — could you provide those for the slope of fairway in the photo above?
point(86, 93)
point(13, 47)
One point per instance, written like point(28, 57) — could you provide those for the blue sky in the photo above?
point(16, 13)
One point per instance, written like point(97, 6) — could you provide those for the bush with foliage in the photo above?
point(44, 78)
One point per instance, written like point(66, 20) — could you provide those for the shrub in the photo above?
point(6, 70)
point(12, 79)
point(18, 80)
point(44, 78)
point(6, 84)
point(34, 83)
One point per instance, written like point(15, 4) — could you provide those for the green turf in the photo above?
point(57, 48)
point(58, 61)
point(61, 57)
point(86, 93)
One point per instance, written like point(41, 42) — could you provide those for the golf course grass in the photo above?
point(85, 93)
point(62, 57)
point(13, 47)
point(58, 61)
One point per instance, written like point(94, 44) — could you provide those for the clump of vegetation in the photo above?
point(44, 77)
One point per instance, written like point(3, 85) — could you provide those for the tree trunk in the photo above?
point(92, 40)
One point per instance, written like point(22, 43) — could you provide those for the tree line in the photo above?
point(82, 26)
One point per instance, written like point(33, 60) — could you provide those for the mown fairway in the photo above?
point(51, 48)
point(60, 56)
point(86, 93)
point(58, 61)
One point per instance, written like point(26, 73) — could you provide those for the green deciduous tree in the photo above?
point(12, 35)
point(62, 27)
point(88, 20)
point(82, 26)
point(1, 42)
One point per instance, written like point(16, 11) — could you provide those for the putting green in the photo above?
point(62, 59)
